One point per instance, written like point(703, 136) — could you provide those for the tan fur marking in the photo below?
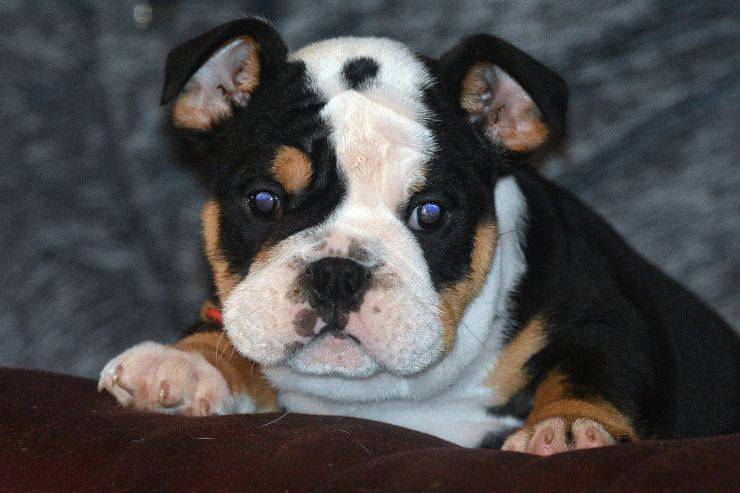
point(249, 77)
point(551, 399)
point(550, 389)
point(242, 375)
point(224, 280)
point(508, 376)
point(524, 137)
point(518, 124)
point(457, 297)
point(189, 111)
point(292, 169)
point(473, 87)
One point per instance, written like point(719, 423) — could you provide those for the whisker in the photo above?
point(223, 352)
point(274, 420)
point(522, 228)
point(218, 344)
point(465, 326)
point(233, 350)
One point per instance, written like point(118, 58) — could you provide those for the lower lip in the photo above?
point(334, 350)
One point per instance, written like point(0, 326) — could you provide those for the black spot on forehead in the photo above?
point(359, 71)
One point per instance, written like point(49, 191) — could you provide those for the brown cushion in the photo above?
point(57, 433)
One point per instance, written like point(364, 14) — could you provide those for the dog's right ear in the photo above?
point(510, 98)
point(214, 73)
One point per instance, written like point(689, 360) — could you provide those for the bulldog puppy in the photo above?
point(381, 248)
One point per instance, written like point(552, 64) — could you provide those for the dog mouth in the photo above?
point(334, 328)
point(336, 325)
point(331, 352)
point(312, 323)
point(339, 334)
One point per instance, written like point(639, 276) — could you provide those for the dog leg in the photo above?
point(559, 423)
point(199, 375)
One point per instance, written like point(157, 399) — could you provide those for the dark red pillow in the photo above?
point(57, 433)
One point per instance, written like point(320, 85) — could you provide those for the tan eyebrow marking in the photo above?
point(292, 169)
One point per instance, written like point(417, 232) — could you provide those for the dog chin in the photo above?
point(331, 355)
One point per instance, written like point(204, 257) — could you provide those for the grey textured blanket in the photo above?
point(99, 228)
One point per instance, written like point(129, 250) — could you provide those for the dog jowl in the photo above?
point(380, 247)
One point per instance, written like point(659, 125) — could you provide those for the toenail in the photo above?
point(204, 407)
point(591, 434)
point(164, 391)
point(117, 374)
point(549, 435)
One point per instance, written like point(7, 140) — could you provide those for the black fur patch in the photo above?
point(460, 177)
point(619, 329)
point(359, 71)
point(518, 406)
point(285, 112)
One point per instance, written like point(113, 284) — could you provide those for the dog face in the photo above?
point(351, 220)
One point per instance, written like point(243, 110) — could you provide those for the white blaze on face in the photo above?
point(382, 146)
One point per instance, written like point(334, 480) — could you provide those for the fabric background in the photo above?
point(99, 227)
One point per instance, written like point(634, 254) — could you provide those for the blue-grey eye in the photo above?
point(428, 215)
point(264, 203)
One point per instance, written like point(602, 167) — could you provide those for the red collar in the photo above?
point(214, 316)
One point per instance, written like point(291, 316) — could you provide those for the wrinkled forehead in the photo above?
point(374, 93)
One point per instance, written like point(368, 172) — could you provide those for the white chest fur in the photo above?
point(449, 400)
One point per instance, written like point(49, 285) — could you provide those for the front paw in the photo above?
point(154, 377)
point(559, 434)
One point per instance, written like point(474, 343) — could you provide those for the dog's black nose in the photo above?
point(337, 285)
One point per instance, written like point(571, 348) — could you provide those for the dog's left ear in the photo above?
point(510, 97)
point(211, 75)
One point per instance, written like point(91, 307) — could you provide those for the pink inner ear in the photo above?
point(498, 104)
point(228, 77)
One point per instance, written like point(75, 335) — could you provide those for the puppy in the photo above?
point(381, 248)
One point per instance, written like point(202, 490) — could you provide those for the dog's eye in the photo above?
point(263, 203)
point(428, 215)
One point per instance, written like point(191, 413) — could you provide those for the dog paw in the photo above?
point(154, 377)
point(557, 434)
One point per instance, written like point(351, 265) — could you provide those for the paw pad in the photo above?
point(558, 434)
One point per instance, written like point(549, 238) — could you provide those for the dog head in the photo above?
point(352, 219)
